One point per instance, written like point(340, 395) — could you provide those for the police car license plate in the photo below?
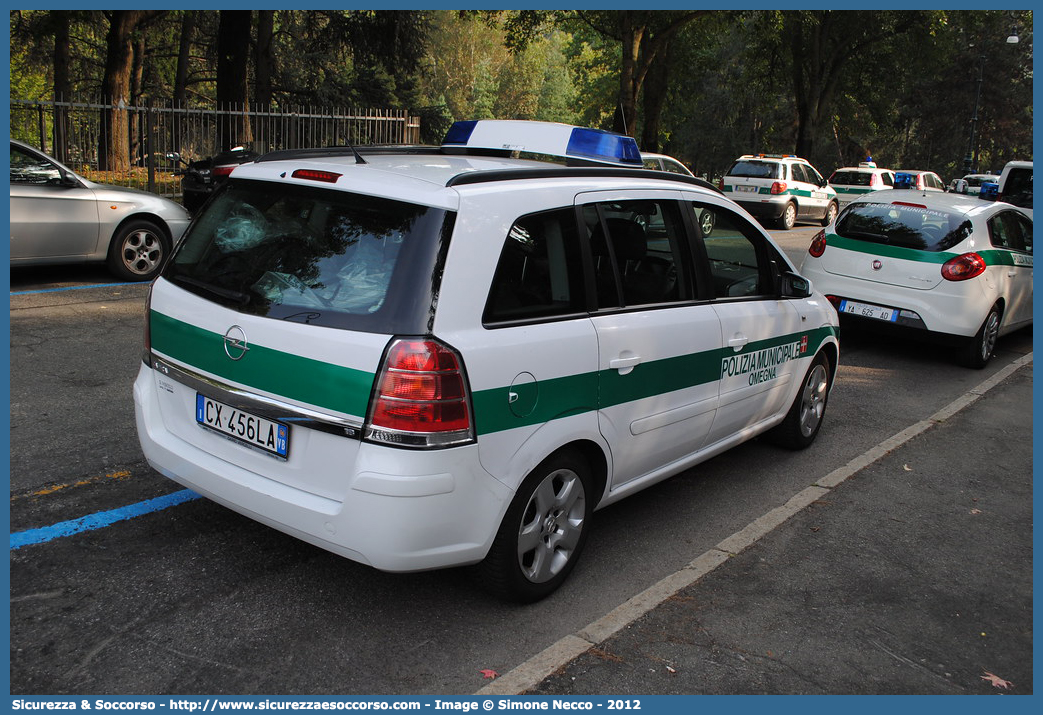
point(264, 434)
point(867, 310)
point(746, 189)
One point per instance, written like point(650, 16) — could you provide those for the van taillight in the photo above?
point(421, 397)
point(779, 187)
point(818, 244)
point(963, 267)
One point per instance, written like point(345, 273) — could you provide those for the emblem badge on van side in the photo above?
point(235, 343)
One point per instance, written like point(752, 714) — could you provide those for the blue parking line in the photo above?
point(99, 519)
point(93, 285)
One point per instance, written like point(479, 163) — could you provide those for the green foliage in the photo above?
point(900, 85)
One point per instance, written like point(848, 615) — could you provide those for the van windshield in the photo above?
point(316, 256)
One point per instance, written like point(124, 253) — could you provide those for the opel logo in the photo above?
point(235, 343)
point(877, 265)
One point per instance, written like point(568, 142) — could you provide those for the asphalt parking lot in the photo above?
point(194, 598)
point(911, 574)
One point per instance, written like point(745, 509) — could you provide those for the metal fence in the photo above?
point(74, 132)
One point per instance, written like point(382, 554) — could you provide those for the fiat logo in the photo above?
point(235, 343)
point(877, 265)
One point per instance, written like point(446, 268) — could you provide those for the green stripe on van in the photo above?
point(314, 382)
point(578, 394)
point(347, 390)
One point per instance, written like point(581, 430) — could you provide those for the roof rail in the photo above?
point(327, 152)
point(572, 172)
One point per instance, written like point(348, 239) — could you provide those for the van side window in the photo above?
point(637, 248)
point(540, 273)
point(740, 264)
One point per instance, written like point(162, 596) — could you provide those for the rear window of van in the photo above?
point(756, 169)
point(851, 178)
point(316, 256)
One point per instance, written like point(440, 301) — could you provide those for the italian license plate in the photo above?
point(264, 434)
point(746, 189)
point(867, 310)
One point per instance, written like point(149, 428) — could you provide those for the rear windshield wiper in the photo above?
point(866, 236)
point(233, 295)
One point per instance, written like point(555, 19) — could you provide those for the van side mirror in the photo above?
point(791, 285)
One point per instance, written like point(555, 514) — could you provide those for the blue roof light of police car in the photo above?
point(548, 138)
point(459, 133)
point(904, 181)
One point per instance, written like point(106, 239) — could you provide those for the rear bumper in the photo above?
point(950, 311)
point(767, 209)
point(395, 510)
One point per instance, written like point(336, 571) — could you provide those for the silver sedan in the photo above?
point(58, 216)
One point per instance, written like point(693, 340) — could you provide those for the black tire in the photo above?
point(551, 513)
point(831, 213)
point(137, 250)
point(805, 415)
point(788, 219)
point(706, 222)
point(977, 352)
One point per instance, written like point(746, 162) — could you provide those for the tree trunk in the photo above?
point(115, 88)
point(233, 44)
point(655, 99)
point(62, 83)
point(184, 48)
point(626, 114)
point(113, 142)
point(136, 76)
point(264, 60)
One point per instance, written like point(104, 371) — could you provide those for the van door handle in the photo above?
point(738, 341)
point(624, 364)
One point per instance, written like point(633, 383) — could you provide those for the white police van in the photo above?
point(421, 357)
point(780, 189)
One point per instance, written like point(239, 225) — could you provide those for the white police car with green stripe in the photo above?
point(422, 357)
point(850, 182)
point(780, 189)
point(945, 266)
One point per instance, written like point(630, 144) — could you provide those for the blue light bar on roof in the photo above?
point(904, 181)
point(459, 133)
point(990, 191)
point(549, 138)
point(603, 146)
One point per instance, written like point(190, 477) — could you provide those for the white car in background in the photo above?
point(917, 179)
point(850, 182)
point(780, 189)
point(971, 183)
point(1015, 185)
point(942, 265)
point(662, 162)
